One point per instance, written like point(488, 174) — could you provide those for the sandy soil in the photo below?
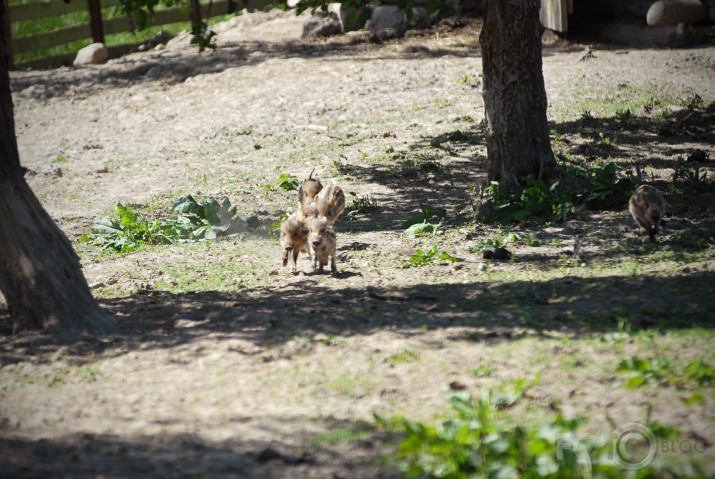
point(227, 365)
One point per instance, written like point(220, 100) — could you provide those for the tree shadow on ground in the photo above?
point(264, 321)
point(630, 135)
point(301, 448)
point(441, 171)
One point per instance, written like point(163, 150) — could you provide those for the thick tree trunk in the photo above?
point(40, 275)
point(514, 95)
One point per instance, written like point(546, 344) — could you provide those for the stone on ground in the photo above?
point(672, 12)
point(91, 55)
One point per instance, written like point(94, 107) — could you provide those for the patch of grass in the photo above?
point(405, 356)
point(52, 23)
point(87, 372)
point(333, 340)
point(61, 159)
point(483, 371)
point(344, 384)
point(339, 435)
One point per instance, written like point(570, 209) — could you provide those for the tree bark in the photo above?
point(515, 103)
point(40, 274)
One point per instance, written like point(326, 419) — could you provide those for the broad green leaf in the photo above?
point(211, 212)
point(419, 229)
point(414, 219)
point(106, 226)
point(696, 398)
point(444, 256)
point(188, 205)
point(127, 216)
point(635, 381)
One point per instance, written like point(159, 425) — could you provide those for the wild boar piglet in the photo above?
point(294, 239)
point(647, 207)
point(322, 240)
point(330, 203)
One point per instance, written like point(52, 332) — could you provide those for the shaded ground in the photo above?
point(228, 366)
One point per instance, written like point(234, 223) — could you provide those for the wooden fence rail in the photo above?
point(97, 27)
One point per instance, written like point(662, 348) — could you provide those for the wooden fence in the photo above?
point(98, 27)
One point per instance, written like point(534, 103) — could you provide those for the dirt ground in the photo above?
point(227, 365)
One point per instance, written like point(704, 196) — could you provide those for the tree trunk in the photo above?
point(40, 275)
point(514, 95)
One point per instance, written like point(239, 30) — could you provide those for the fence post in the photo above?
point(7, 32)
point(95, 18)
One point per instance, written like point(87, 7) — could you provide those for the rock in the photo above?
point(639, 8)
point(91, 55)
point(351, 18)
point(386, 17)
point(671, 12)
point(320, 25)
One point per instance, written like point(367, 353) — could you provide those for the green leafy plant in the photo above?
point(700, 373)
point(430, 256)
point(478, 441)
point(285, 181)
point(424, 221)
point(586, 116)
point(600, 187)
point(361, 206)
point(603, 140)
point(498, 242)
point(596, 187)
point(625, 116)
point(192, 221)
point(535, 201)
point(642, 371)
point(662, 370)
